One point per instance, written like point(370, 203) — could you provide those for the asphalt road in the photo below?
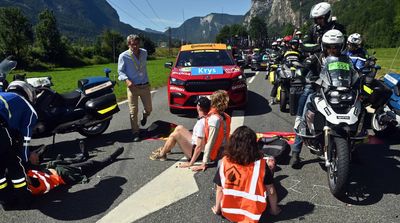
point(303, 194)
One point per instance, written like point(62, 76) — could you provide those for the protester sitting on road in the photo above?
point(191, 144)
point(64, 173)
point(244, 180)
point(217, 129)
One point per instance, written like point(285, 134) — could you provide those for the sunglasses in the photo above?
point(332, 47)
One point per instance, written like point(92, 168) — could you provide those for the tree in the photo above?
point(16, 36)
point(223, 35)
point(110, 44)
point(258, 31)
point(148, 44)
point(48, 37)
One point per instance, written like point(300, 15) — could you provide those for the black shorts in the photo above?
point(200, 156)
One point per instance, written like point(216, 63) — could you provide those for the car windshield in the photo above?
point(199, 58)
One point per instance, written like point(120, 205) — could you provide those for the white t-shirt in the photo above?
point(198, 130)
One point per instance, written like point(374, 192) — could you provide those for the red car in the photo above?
point(201, 69)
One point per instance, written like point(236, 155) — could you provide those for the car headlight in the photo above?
point(239, 78)
point(175, 81)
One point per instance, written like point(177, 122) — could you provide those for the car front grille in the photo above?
point(207, 86)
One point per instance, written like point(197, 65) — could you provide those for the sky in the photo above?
point(160, 14)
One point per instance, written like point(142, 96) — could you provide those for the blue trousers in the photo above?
point(304, 98)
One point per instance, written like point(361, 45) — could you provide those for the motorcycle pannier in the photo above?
point(95, 86)
point(275, 147)
point(103, 106)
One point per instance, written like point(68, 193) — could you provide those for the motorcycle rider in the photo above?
point(322, 15)
point(355, 51)
point(292, 53)
point(332, 45)
point(17, 119)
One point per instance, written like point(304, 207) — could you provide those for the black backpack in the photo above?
point(276, 147)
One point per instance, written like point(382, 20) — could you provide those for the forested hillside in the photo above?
point(377, 21)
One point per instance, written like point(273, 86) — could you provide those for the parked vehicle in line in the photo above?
point(291, 85)
point(201, 69)
point(88, 109)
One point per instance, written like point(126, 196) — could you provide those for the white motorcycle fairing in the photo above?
point(331, 116)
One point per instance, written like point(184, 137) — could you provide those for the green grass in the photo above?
point(65, 79)
point(386, 56)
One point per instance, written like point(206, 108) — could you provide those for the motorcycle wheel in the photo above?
point(381, 130)
point(95, 130)
point(283, 100)
point(292, 104)
point(339, 169)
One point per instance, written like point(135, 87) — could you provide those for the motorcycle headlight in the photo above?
point(175, 81)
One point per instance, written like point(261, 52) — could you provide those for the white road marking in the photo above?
point(237, 119)
point(253, 77)
point(169, 187)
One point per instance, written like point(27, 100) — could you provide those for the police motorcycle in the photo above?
point(333, 122)
point(380, 95)
point(88, 109)
point(291, 84)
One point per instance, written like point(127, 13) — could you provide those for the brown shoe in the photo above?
point(158, 156)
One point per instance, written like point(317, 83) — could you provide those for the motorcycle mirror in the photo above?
point(107, 71)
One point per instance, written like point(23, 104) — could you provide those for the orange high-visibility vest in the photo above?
point(225, 124)
point(244, 193)
point(47, 181)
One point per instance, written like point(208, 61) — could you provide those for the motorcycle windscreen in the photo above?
point(337, 74)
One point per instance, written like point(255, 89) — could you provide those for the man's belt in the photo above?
point(142, 84)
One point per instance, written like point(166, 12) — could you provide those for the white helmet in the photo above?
point(298, 33)
point(274, 43)
point(23, 89)
point(321, 9)
point(333, 37)
point(279, 40)
point(355, 39)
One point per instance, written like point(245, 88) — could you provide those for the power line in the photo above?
point(128, 14)
point(144, 14)
point(152, 9)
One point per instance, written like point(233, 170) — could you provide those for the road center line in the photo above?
point(237, 119)
point(170, 186)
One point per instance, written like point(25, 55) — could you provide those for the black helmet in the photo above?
point(23, 89)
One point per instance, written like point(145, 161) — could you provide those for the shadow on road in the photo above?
point(257, 104)
point(376, 173)
point(291, 210)
point(63, 205)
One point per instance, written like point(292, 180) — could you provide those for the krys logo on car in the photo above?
point(207, 70)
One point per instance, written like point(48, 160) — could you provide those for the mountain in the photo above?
point(204, 29)
point(377, 21)
point(79, 18)
point(279, 13)
point(148, 30)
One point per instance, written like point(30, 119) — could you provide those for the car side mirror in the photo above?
point(240, 62)
point(168, 65)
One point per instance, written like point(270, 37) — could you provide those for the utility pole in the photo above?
point(169, 42)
